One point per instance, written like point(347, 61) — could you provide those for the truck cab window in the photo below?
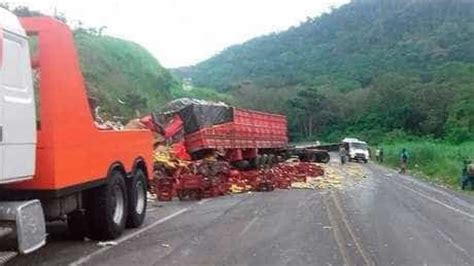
point(13, 77)
point(35, 70)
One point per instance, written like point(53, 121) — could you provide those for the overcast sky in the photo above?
point(184, 32)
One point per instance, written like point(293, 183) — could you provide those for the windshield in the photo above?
point(361, 146)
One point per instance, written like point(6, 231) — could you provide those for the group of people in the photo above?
point(379, 157)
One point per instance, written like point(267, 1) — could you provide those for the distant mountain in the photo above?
point(376, 69)
point(348, 47)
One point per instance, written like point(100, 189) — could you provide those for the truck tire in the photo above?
point(242, 164)
point(107, 208)
point(137, 201)
point(324, 157)
point(272, 160)
point(264, 161)
point(256, 162)
point(181, 195)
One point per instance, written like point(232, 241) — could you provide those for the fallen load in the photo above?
point(205, 149)
point(211, 178)
point(318, 183)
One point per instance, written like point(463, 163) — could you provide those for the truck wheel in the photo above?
point(324, 157)
point(137, 199)
point(197, 194)
point(108, 208)
point(242, 165)
point(180, 194)
point(272, 160)
point(256, 162)
point(264, 161)
point(77, 225)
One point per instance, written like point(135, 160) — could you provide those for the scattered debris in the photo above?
point(150, 196)
point(107, 244)
point(104, 121)
point(211, 177)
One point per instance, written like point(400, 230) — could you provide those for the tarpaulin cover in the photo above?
point(196, 114)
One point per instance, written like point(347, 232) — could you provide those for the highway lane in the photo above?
point(381, 219)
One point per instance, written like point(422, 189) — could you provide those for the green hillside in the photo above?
point(122, 77)
point(373, 68)
point(349, 46)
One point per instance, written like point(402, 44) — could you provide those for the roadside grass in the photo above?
point(438, 162)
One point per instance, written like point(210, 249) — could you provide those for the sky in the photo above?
point(185, 32)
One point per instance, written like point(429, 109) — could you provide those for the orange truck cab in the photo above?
point(54, 162)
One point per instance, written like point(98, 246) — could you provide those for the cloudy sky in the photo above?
point(184, 32)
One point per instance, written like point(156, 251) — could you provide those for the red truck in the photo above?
point(246, 138)
point(54, 162)
point(251, 141)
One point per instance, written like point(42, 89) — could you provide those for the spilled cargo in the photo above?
point(206, 149)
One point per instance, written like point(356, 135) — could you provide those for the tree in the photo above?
point(309, 108)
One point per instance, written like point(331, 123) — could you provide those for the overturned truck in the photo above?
point(247, 139)
point(214, 149)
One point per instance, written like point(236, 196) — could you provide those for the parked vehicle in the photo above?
point(55, 163)
point(357, 150)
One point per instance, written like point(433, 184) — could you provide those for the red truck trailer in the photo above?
point(244, 137)
point(54, 162)
point(248, 135)
point(246, 140)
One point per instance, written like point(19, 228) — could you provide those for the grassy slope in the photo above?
point(439, 162)
point(122, 76)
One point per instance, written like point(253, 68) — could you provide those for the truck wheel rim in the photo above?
point(139, 189)
point(119, 204)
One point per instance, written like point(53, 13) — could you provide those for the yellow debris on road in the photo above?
point(334, 177)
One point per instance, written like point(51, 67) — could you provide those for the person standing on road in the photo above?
point(381, 155)
point(343, 154)
point(403, 161)
point(377, 155)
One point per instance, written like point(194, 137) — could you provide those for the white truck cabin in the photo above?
point(21, 220)
point(17, 102)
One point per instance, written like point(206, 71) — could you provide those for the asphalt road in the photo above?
point(382, 219)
